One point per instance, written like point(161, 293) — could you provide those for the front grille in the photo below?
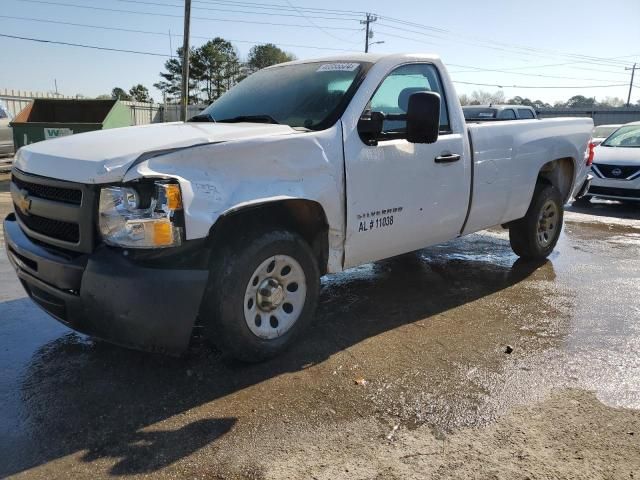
point(614, 192)
point(65, 231)
point(48, 192)
point(56, 213)
point(625, 171)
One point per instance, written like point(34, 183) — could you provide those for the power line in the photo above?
point(95, 47)
point(156, 14)
point(322, 29)
point(509, 46)
point(495, 48)
point(476, 44)
point(156, 4)
point(149, 32)
point(528, 67)
point(538, 86)
point(274, 6)
point(480, 69)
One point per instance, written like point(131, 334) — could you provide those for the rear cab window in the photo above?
point(525, 113)
point(479, 113)
point(507, 114)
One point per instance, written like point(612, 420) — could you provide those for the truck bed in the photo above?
point(506, 159)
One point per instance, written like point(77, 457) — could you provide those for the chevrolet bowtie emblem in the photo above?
point(23, 202)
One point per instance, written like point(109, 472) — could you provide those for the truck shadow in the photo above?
point(601, 208)
point(90, 397)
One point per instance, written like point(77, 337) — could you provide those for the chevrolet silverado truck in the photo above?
point(228, 221)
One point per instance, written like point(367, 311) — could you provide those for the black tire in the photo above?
point(231, 271)
point(524, 233)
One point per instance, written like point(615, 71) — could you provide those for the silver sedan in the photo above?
point(616, 165)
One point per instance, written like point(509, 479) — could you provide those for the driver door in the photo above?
point(402, 196)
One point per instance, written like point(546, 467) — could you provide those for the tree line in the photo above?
point(481, 97)
point(214, 68)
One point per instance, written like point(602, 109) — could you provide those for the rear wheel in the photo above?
point(534, 236)
point(262, 293)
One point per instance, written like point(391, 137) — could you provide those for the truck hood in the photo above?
point(622, 156)
point(105, 156)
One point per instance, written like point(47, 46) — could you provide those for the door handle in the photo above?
point(448, 158)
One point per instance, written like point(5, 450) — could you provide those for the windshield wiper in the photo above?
point(250, 118)
point(202, 117)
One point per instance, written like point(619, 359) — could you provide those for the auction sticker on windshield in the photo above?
point(338, 67)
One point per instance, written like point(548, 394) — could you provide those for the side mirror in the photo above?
point(370, 128)
point(423, 117)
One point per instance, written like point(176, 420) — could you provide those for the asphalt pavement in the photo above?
point(457, 361)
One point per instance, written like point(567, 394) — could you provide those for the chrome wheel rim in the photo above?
point(548, 223)
point(275, 297)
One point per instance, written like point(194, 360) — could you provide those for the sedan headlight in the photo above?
point(141, 215)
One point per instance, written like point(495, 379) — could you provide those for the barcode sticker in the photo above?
point(338, 67)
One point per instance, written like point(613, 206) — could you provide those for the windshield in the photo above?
point(628, 136)
point(308, 95)
point(604, 131)
point(475, 113)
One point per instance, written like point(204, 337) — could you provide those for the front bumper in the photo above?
point(108, 296)
point(615, 189)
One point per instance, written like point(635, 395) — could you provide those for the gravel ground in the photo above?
point(404, 374)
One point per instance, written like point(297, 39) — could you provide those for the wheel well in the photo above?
point(558, 173)
point(305, 217)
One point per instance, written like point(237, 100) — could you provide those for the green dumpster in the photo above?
point(44, 118)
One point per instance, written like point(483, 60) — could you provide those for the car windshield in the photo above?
point(604, 131)
point(628, 136)
point(306, 95)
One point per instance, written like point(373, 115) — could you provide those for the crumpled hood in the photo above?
point(617, 155)
point(105, 156)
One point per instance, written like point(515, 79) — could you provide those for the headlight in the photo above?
point(141, 216)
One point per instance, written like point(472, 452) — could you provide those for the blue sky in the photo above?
point(536, 43)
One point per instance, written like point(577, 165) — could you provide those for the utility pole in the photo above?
point(368, 32)
point(633, 71)
point(185, 62)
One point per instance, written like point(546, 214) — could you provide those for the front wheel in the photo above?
point(534, 236)
point(262, 293)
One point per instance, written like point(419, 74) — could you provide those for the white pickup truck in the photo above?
point(135, 235)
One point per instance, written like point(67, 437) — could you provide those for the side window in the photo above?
point(525, 113)
point(507, 114)
point(392, 96)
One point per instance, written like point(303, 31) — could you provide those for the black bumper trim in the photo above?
point(598, 191)
point(65, 273)
point(107, 296)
